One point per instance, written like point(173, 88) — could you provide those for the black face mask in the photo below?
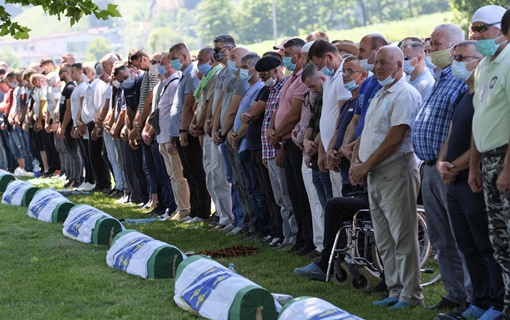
point(218, 56)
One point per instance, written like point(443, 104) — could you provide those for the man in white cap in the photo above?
point(491, 132)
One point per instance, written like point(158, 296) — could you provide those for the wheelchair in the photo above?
point(358, 264)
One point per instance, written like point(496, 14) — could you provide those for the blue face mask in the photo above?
point(429, 64)
point(459, 70)
point(389, 79)
point(287, 63)
point(232, 66)
point(204, 68)
point(488, 47)
point(176, 64)
point(327, 71)
point(162, 71)
point(128, 83)
point(351, 85)
point(244, 75)
point(408, 68)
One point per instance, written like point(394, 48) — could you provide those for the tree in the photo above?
point(464, 10)
point(97, 48)
point(73, 9)
point(215, 18)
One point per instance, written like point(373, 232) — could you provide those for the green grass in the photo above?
point(44, 275)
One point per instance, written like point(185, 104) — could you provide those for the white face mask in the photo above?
point(116, 83)
point(153, 68)
point(270, 82)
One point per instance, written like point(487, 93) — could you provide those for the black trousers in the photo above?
point(191, 158)
point(293, 159)
point(338, 210)
point(470, 227)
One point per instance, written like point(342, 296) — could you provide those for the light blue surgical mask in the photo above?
point(351, 85)
point(287, 63)
point(244, 75)
point(162, 70)
point(365, 65)
point(429, 64)
point(408, 68)
point(204, 68)
point(488, 47)
point(232, 66)
point(460, 71)
point(389, 79)
point(128, 83)
point(327, 71)
point(176, 64)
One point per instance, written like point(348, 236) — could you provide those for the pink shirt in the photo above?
point(293, 88)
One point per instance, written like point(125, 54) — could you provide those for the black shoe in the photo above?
point(115, 193)
point(446, 304)
point(381, 287)
point(157, 211)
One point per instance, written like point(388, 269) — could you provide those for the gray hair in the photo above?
point(251, 58)
point(226, 39)
point(110, 57)
point(455, 34)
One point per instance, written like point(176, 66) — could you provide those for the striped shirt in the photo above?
point(433, 121)
point(149, 81)
point(268, 152)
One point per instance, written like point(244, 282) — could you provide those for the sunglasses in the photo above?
point(461, 57)
point(220, 49)
point(482, 27)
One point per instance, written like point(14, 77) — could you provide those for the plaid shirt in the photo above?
point(433, 121)
point(268, 152)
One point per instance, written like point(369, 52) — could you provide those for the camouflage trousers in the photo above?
point(498, 211)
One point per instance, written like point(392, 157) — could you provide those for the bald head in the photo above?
point(237, 53)
point(388, 62)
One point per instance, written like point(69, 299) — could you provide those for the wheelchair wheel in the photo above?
point(430, 273)
point(364, 280)
point(340, 274)
point(423, 238)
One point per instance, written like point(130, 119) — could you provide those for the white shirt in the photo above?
point(39, 96)
point(389, 108)
point(89, 110)
point(333, 91)
point(78, 93)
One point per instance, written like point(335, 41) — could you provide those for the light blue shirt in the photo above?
point(244, 105)
point(188, 83)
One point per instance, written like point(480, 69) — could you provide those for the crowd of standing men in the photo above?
point(280, 143)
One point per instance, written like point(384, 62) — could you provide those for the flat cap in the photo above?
point(267, 63)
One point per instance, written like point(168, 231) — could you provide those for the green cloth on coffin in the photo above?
point(162, 263)
point(102, 232)
point(254, 303)
point(61, 211)
point(5, 178)
point(250, 302)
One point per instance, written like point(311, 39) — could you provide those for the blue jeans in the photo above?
point(237, 210)
point(322, 184)
point(260, 219)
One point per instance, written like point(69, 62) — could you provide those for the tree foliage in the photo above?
point(97, 48)
point(12, 60)
point(464, 10)
point(73, 9)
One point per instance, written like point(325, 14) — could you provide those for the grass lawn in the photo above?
point(44, 275)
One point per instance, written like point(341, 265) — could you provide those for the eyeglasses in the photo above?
point(263, 74)
point(349, 72)
point(153, 62)
point(461, 57)
point(482, 27)
point(220, 49)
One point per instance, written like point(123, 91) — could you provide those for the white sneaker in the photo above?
point(17, 171)
point(62, 177)
point(186, 219)
point(228, 228)
point(234, 231)
point(86, 187)
point(193, 220)
point(122, 200)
